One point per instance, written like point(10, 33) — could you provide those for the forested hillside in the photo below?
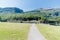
point(42, 15)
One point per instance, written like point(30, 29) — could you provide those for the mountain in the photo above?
point(46, 10)
point(10, 10)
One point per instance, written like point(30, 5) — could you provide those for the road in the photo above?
point(34, 34)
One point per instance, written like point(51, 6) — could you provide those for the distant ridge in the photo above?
point(45, 9)
point(10, 10)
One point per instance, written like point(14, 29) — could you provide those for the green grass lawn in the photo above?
point(14, 31)
point(50, 32)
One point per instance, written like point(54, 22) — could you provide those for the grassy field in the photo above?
point(14, 31)
point(50, 32)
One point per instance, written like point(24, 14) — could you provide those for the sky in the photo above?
point(27, 5)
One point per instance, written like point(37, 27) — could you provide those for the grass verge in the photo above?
point(50, 32)
point(14, 31)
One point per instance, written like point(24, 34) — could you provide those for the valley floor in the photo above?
point(27, 31)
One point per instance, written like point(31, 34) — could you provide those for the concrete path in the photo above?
point(34, 34)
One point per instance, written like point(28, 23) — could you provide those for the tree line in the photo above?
point(29, 16)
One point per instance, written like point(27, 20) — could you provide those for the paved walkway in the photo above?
point(34, 34)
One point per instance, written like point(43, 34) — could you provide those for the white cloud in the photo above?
point(10, 3)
